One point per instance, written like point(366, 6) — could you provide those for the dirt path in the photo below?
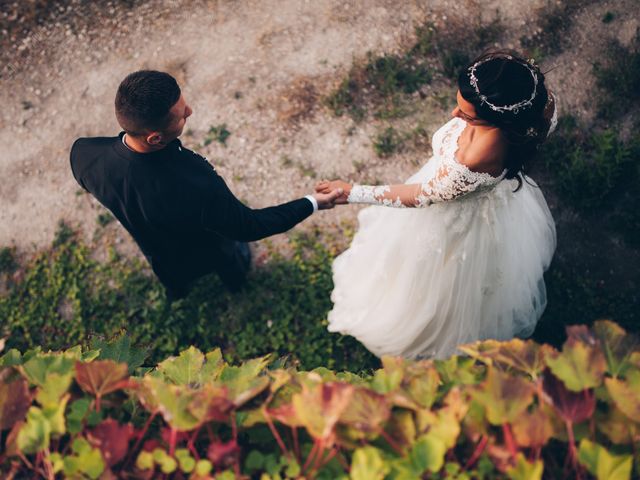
point(240, 63)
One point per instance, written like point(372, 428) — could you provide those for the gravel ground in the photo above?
point(259, 66)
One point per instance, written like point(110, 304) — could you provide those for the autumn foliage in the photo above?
point(513, 409)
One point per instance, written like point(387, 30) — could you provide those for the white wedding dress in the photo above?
point(467, 264)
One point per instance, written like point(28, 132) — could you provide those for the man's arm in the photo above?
point(222, 212)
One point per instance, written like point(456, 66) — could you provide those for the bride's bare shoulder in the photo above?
point(485, 153)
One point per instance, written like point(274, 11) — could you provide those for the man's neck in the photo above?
point(139, 146)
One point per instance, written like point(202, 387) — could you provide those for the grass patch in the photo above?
point(8, 263)
point(382, 84)
point(219, 133)
point(551, 27)
point(65, 298)
point(104, 219)
point(618, 77)
point(387, 142)
point(589, 168)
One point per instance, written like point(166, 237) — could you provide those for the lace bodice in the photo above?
point(451, 179)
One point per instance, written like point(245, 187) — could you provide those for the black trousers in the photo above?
point(232, 266)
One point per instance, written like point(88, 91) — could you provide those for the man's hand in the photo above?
point(329, 199)
point(326, 187)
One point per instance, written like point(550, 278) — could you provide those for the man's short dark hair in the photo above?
point(143, 101)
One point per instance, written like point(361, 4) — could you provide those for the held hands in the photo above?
point(326, 187)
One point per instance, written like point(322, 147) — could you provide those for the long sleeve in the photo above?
point(223, 213)
point(452, 180)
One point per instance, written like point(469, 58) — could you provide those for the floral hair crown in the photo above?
point(504, 108)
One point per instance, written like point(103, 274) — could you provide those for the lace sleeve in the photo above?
point(452, 180)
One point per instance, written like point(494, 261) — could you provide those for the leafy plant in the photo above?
point(219, 133)
point(588, 167)
point(65, 297)
point(618, 77)
point(511, 409)
point(387, 142)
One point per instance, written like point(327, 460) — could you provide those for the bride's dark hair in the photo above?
point(502, 79)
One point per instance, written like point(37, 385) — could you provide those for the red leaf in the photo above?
point(101, 376)
point(223, 454)
point(112, 439)
point(570, 406)
point(14, 400)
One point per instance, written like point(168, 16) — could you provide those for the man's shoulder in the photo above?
point(91, 142)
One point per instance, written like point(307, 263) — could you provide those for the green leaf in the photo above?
point(145, 460)
point(523, 470)
point(35, 433)
point(37, 368)
point(55, 386)
point(388, 378)
point(503, 396)
point(12, 358)
point(172, 401)
point(618, 345)
point(602, 464)
point(368, 464)
point(77, 412)
point(254, 461)
point(184, 369)
point(428, 454)
point(581, 364)
point(86, 460)
point(119, 350)
point(203, 467)
point(626, 394)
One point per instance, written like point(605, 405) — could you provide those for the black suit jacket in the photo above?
point(176, 207)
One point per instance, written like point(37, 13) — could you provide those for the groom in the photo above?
point(176, 207)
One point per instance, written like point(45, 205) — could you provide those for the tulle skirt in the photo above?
point(418, 282)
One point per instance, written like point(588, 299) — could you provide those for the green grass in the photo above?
point(618, 77)
point(589, 166)
point(384, 85)
point(387, 142)
point(218, 133)
point(65, 298)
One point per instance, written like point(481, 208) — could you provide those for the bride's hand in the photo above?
point(326, 187)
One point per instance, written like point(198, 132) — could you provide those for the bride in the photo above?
point(466, 262)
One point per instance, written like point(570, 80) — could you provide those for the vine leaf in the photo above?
point(14, 400)
point(101, 377)
point(533, 429)
point(320, 407)
point(368, 464)
point(602, 464)
point(626, 394)
point(525, 470)
point(112, 439)
point(119, 350)
point(524, 356)
point(366, 412)
point(184, 369)
point(617, 345)
point(570, 406)
point(504, 397)
point(581, 364)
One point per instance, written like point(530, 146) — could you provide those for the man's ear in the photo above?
point(154, 138)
